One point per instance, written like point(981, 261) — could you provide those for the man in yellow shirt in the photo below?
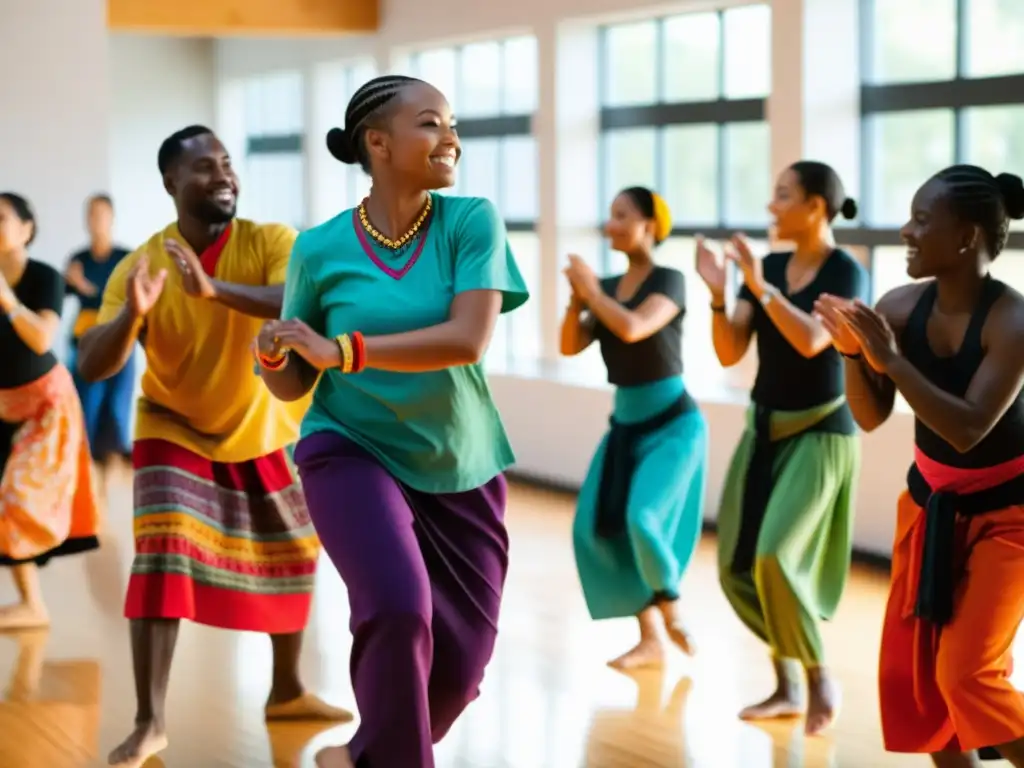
point(222, 533)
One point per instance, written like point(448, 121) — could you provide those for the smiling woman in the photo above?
point(389, 308)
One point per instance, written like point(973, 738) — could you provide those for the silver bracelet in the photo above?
point(15, 311)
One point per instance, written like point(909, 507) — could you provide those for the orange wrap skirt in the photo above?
point(946, 687)
point(48, 505)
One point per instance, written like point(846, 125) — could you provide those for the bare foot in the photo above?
point(676, 629)
point(781, 704)
point(334, 757)
point(647, 654)
point(823, 702)
point(306, 707)
point(23, 616)
point(145, 741)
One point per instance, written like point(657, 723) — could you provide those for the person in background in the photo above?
point(48, 506)
point(951, 345)
point(785, 523)
point(107, 404)
point(641, 508)
point(222, 533)
point(389, 308)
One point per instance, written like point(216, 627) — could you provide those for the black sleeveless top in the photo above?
point(786, 380)
point(660, 355)
point(953, 374)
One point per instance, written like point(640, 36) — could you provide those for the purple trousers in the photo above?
point(424, 574)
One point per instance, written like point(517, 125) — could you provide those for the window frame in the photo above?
point(720, 112)
point(956, 95)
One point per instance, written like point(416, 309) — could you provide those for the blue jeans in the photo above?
point(107, 406)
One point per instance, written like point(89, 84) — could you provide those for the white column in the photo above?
point(814, 107)
point(545, 129)
point(55, 92)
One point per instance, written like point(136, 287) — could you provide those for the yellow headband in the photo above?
point(662, 218)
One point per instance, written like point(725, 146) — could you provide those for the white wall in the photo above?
point(157, 85)
point(56, 102)
point(556, 411)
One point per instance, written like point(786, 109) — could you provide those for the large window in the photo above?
point(683, 112)
point(492, 87)
point(274, 168)
point(347, 184)
point(953, 91)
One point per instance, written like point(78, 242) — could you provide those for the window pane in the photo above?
point(690, 70)
point(993, 137)
point(479, 168)
point(748, 181)
point(995, 37)
point(888, 270)
point(748, 58)
point(690, 167)
point(906, 148)
point(628, 162)
point(276, 189)
point(1009, 268)
point(519, 75)
point(519, 178)
point(438, 68)
point(525, 340)
point(630, 70)
point(358, 76)
point(912, 41)
point(480, 86)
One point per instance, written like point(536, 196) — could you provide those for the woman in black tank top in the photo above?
point(786, 514)
point(952, 347)
point(641, 507)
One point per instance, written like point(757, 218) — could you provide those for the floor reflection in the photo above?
point(49, 714)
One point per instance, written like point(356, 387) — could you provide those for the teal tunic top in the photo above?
point(436, 431)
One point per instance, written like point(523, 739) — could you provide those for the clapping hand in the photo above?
point(194, 280)
point(279, 336)
point(738, 251)
point(873, 333)
point(76, 279)
point(142, 288)
point(710, 268)
point(585, 283)
point(829, 311)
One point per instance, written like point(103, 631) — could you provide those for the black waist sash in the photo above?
point(620, 464)
point(937, 581)
point(760, 480)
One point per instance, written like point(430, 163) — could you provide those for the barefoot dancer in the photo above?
point(107, 404)
point(786, 515)
point(402, 451)
point(47, 502)
point(639, 514)
point(222, 534)
point(951, 345)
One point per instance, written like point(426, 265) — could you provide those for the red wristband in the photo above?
point(358, 352)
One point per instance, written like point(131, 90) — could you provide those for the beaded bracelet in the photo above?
point(353, 352)
point(272, 363)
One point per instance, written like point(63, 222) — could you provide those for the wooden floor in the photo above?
point(548, 700)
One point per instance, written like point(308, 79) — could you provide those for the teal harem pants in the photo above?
point(634, 551)
point(785, 524)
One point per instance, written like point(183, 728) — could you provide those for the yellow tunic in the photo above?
point(200, 389)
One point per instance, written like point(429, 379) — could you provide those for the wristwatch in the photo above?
point(767, 295)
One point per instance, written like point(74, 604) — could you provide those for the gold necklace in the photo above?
point(387, 242)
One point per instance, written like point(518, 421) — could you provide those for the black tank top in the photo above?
point(953, 374)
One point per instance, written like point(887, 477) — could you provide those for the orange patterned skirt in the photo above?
point(48, 504)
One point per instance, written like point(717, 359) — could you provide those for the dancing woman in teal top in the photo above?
point(388, 310)
point(640, 510)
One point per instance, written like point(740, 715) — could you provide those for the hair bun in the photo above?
point(848, 209)
point(1012, 189)
point(340, 147)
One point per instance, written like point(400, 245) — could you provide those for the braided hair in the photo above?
point(989, 202)
point(365, 108)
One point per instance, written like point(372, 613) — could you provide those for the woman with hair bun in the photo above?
point(48, 504)
point(951, 345)
point(388, 311)
point(639, 514)
point(785, 520)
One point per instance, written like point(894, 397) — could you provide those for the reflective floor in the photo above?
point(548, 700)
